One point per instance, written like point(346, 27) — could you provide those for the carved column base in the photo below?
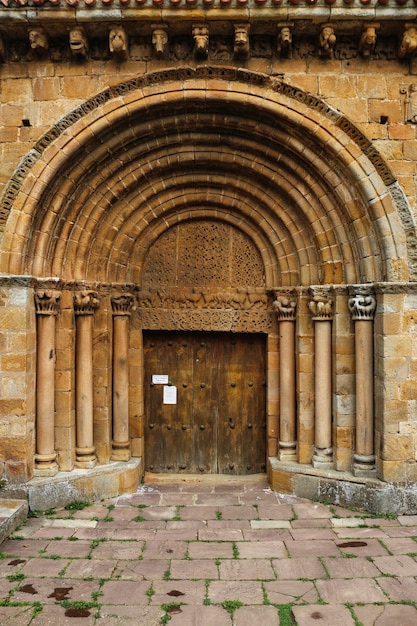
point(364, 465)
point(45, 465)
point(120, 451)
point(323, 458)
point(287, 451)
point(85, 458)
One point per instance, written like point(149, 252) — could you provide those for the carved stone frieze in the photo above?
point(233, 300)
point(47, 301)
point(321, 303)
point(207, 320)
point(362, 302)
point(85, 302)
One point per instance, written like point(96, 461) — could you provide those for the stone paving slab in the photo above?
point(221, 553)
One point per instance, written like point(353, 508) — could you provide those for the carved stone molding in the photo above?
point(285, 307)
point(321, 303)
point(86, 302)
point(205, 320)
point(122, 304)
point(47, 302)
point(362, 302)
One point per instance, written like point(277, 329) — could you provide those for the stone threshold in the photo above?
point(100, 482)
point(342, 488)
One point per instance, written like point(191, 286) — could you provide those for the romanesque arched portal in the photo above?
point(306, 221)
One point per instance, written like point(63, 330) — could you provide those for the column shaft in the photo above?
point(121, 445)
point(323, 384)
point(84, 392)
point(45, 458)
point(287, 436)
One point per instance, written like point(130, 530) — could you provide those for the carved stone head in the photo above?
point(118, 41)
point(38, 39)
point(327, 41)
point(78, 42)
point(241, 42)
point(408, 43)
point(201, 40)
point(159, 41)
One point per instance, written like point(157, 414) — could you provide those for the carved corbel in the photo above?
point(78, 42)
point(284, 40)
point(368, 40)
point(327, 41)
point(160, 40)
point(118, 42)
point(241, 41)
point(408, 42)
point(321, 303)
point(2, 50)
point(201, 40)
point(38, 40)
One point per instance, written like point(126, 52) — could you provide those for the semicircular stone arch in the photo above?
point(86, 201)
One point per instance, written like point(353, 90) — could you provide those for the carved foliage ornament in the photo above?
point(122, 304)
point(285, 307)
point(47, 301)
point(86, 302)
point(321, 303)
point(362, 302)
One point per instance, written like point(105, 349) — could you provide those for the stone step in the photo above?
point(12, 514)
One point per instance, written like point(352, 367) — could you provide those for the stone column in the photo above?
point(285, 309)
point(121, 306)
point(85, 303)
point(362, 305)
point(47, 304)
point(321, 306)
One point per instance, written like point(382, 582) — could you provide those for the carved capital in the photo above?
point(85, 302)
point(321, 303)
point(122, 304)
point(362, 302)
point(285, 307)
point(47, 301)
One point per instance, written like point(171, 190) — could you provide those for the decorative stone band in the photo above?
point(285, 307)
point(309, 5)
point(321, 303)
point(86, 302)
point(47, 302)
point(122, 304)
point(362, 302)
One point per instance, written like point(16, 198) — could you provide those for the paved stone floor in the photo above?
point(216, 553)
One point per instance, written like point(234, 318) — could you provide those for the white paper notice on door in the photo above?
point(160, 379)
point(170, 394)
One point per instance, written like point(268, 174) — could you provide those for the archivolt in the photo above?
point(95, 193)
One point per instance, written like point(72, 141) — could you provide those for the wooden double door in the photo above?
point(205, 402)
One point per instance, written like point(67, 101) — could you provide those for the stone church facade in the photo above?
point(208, 246)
